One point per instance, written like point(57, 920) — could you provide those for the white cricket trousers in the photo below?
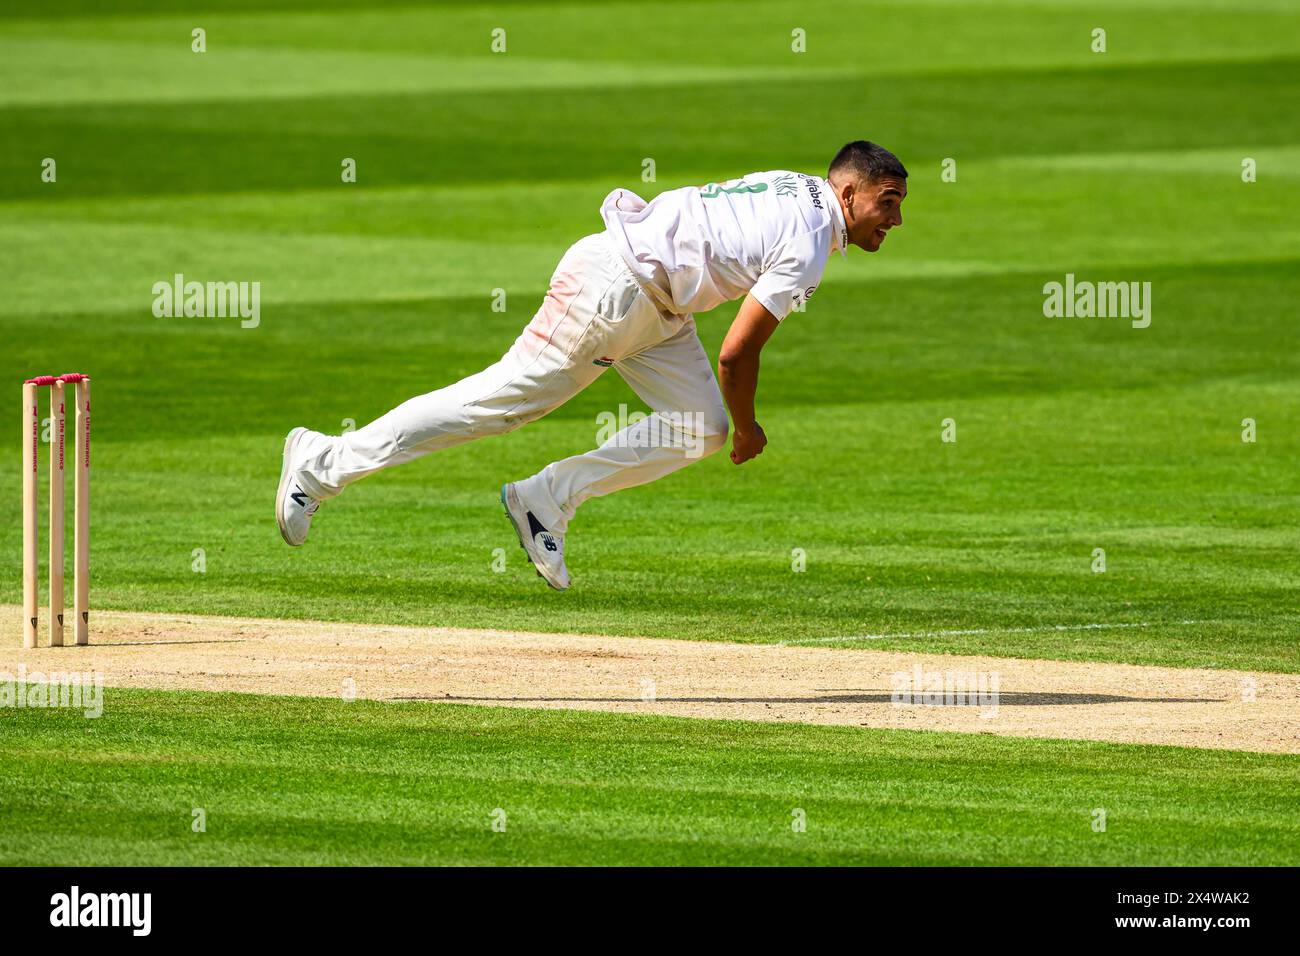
point(595, 315)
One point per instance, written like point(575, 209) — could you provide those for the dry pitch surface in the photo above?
point(1219, 709)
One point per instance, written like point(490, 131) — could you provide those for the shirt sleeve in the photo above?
point(796, 268)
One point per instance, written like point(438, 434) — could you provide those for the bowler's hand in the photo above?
point(747, 443)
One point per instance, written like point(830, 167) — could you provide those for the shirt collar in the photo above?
point(839, 229)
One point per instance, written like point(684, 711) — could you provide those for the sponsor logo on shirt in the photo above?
point(805, 295)
point(714, 190)
point(786, 185)
point(814, 192)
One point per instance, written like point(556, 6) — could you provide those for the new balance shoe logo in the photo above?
point(544, 549)
point(538, 531)
point(305, 501)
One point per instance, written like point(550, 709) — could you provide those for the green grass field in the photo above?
point(475, 170)
point(312, 782)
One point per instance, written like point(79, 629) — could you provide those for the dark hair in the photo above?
point(866, 160)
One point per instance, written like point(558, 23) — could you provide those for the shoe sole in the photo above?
point(523, 547)
point(290, 441)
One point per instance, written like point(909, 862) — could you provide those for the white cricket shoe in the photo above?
point(544, 548)
point(293, 506)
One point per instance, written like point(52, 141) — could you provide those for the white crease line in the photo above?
point(989, 630)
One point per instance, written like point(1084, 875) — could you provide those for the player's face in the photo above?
point(873, 209)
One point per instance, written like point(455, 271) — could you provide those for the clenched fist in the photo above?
point(747, 443)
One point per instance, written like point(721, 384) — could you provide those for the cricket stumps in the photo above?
point(81, 506)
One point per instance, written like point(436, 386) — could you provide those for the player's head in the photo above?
point(871, 185)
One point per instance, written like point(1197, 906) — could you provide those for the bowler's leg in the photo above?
point(689, 421)
point(547, 365)
point(540, 372)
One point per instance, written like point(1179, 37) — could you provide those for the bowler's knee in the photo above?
point(710, 431)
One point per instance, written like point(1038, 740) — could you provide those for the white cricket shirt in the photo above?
point(768, 234)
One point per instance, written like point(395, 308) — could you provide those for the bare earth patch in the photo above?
point(1089, 701)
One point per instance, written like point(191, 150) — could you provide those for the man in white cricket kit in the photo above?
point(625, 298)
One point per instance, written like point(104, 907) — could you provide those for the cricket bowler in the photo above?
point(625, 298)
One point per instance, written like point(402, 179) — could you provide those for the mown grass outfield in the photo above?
point(475, 171)
point(309, 782)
